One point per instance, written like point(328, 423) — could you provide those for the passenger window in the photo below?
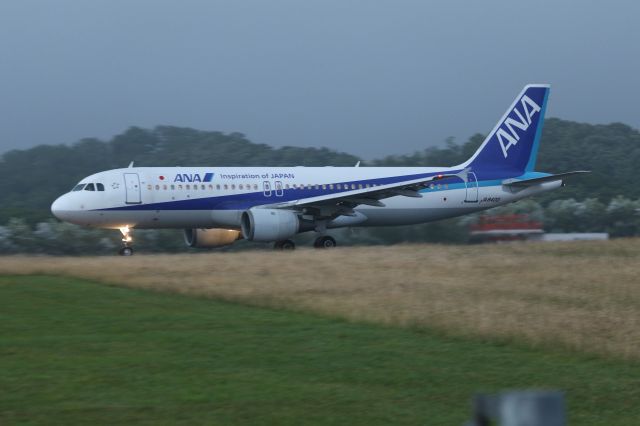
point(360, 186)
point(286, 186)
point(353, 186)
point(173, 187)
point(240, 187)
point(330, 186)
point(78, 187)
point(89, 187)
point(226, 186)
point(203, 187)
point(195, 187)
point(164, 187)
point(255, 186)
point(339, 186)
point(100, 186)
point(217, 186)
point(157, 187)
point(210, 187)
point(324, 187)
point(233, 186)
point(180, 187)
point(187, 186)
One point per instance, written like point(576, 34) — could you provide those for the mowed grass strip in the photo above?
point(580, 295)
point(76, 352)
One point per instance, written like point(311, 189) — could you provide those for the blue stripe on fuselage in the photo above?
point(251, 199)
point(247, 200)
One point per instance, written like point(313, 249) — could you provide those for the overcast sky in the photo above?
point(367, 77)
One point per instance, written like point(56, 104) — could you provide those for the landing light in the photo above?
point(126, 237)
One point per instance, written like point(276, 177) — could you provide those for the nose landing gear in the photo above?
point(126, 250)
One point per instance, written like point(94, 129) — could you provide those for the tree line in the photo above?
point(605, 200)
point(620, 217)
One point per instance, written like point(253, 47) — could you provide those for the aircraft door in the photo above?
point(472, 188)
point(279, 190)
point(266, 188)
point(132, 188)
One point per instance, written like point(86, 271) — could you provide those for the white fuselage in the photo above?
point(215, 197)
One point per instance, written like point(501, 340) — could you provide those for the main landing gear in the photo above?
point(126, 250)
point(324, 242)
point(284, 245)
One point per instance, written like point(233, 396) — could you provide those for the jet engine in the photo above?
point(208, 238)
point(269, 224)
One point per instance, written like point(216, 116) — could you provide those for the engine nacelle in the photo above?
point(208, 238)
point(269, 224)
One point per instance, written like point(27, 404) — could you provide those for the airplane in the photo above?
point(217, 206)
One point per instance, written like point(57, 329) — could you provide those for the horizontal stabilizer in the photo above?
point(523, 183)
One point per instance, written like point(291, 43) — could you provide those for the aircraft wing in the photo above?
point(517, 183)
point(342, 203)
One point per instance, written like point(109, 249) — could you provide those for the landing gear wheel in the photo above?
point(126, 251)
point(284, 245)
point(325, 242)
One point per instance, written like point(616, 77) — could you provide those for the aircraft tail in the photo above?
point(512, 146)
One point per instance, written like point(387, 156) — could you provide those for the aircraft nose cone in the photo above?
point(59, 207)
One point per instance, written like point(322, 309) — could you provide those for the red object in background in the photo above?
point(161, 177)
point(505, 228)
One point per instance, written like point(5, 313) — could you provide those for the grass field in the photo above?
point(77, 352)
point(580, 296)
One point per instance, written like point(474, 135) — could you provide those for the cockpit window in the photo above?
point(89, 187)
point(100, 186)
point(78, 187)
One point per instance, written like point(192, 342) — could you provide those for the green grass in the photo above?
point(76, 352)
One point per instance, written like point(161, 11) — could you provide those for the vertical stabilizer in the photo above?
point(512, 145)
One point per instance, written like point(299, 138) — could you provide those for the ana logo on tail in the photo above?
point(507, 134)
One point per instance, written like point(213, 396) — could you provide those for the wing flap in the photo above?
point(369, 196)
